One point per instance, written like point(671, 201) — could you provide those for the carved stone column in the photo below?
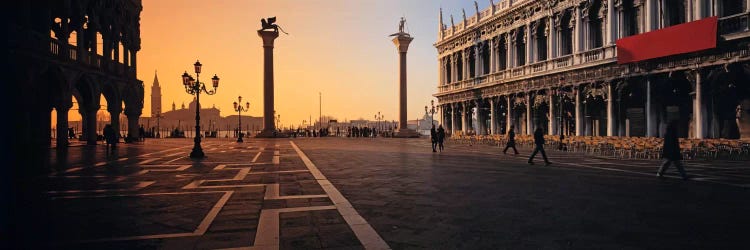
point(610, 111)
point(529, 125)
point(62, 123)
point(493, 116)
point(114, 114)
point(509, 117)
point(552, 126)
point(699, 113)
point(579, 128)
point(650, 114)
point(454, 108)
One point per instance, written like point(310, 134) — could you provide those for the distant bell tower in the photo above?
point(156, 97)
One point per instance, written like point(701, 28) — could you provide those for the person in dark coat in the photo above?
point(539, 142)
point(511, 141)
point(671, 151)
point(440, 137)
point(110, 136)
point(433, 138)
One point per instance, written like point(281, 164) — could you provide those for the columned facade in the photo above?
point(554, 64)
point(66, 53)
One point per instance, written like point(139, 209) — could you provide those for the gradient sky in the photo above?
point(339, 48)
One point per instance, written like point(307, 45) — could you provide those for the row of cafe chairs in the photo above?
point(622, 147)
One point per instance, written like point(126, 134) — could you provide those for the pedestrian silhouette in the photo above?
point(511, 141)
point(110, 137)
point(440, 137)
point(141, 134)
point(671, 151)
point(539, 142)
point(433, 138)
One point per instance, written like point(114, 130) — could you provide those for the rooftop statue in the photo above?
point(270, 24)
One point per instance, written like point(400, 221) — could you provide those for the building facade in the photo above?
point(554, 64)
point(71, 51)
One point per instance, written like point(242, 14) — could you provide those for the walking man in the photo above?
point(672, 152)
point(511, 141)
point(433, 137)
point(539, 142)
point(440, 137)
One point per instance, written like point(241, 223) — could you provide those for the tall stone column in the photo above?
point(402, 41)
point(650, 114)
point(610, 111)
point(133, 113)
point(579, 128)
point(62, 125)
point(698, 112)
point(529, 125)
point(269, 127)
point(479, 127)
point(576, 31)
point(509, 117)
point(552, 118)
point(114, 114)
point(611, 23)
point(453, 118)
point(493, 116)
point(90, 132)
point(464, 123)
point(493, 59)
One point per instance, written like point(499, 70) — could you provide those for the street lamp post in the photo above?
point(195, 87)
point(158, 127)
point(239, 108)
point(431, 111)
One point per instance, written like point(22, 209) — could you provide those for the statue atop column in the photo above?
point(401, 26)
point(270, 24)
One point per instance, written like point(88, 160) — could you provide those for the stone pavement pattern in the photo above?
point(268, 194)
point(475, 197)
point(255, 194)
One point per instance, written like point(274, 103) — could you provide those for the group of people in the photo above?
point(671, 154)
point(437, 137)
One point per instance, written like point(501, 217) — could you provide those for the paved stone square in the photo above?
point(355, 193)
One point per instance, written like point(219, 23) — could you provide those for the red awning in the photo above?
point(683, 38)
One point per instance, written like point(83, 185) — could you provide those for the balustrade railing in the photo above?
point(734, 23)
point(562, 62)
point(69, 52)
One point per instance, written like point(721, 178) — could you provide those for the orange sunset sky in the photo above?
point(339, 48)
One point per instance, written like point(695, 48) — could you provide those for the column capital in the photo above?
point(268, 37)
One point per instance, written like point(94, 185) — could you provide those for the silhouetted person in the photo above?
point(440, 137)
point(671, 151)
point(539, 142)
point(71, 133)
point(141, 134)
point(511, 141)
point(110, 137)
point(433, 138)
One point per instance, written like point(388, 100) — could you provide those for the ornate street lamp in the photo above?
point(378, 118)
point(431, 111)
point(239, 108)
point(194, 86)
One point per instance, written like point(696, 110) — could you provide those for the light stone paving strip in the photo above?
point(256, 157)
point(365, 233)
point(267, 235)
point(139, 186)
point(202, 227)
